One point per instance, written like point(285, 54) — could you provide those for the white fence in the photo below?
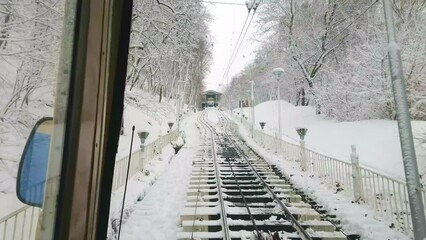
point(139, 159)
point(22, 223)
point(387, 195)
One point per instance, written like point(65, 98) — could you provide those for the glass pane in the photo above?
point(35, 56)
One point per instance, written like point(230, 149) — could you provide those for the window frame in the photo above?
point(92, 119)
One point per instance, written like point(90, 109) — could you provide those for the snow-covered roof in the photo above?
point(212, 91)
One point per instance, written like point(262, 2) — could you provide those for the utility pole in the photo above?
point(404, 127)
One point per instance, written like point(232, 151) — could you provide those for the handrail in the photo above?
point(386, 194)
point(16, 212)
point(12, 226)
point(140, 158)
point(20, 224)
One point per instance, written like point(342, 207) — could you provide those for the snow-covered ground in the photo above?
point(377, 141)
point(156, 216)
point(143, 110)
point(355, 218)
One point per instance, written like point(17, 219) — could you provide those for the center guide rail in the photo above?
point(235, 194)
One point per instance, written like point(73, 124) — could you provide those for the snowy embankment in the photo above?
point(143, 110)
point(146, 114)
point(355, 219)
point(377, 141)
point(156, 214)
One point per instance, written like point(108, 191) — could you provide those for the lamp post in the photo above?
point(252, 109)
point(142, 137)
point(170, 124)
point(278, 72)
point(303, 160)
point(262, 126)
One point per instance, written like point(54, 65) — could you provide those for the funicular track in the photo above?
point(235, 194)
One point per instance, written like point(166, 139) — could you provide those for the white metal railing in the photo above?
point(387, 195)
point(140, 158)
point(22, 223)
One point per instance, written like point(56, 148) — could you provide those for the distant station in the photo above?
point(210, 99)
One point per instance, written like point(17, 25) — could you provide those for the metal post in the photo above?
point(252, 109)
point(279, 115)
point(404, 127)
point(356, 175)
point(241, 110)
point(303, 159)
point(141, 157)
point(279, 111)
point(142, 137)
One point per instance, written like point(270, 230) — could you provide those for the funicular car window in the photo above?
point(36, 42)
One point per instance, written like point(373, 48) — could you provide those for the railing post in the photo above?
point(142, 137)
point(303, 158)
point(356, 175)
point(141, 157)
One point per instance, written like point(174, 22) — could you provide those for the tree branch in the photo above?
point(167, 6)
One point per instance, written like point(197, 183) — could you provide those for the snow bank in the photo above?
point(355, 218)
point(143, 110)
point(156, 216)
point(377, 141)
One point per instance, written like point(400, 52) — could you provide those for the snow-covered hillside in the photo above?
point(377, 141)
point(146, 113)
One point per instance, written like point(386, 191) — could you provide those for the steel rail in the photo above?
point(303, 234)
point(225, 227)
point(259, 236)
point(196, 207)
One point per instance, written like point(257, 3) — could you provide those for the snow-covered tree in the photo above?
point(334, 54)
point(169, 49)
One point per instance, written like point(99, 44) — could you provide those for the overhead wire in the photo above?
point(237, 47)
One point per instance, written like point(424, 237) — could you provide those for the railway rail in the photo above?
point(235, 194)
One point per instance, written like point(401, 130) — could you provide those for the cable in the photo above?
point(239, 43)
point(235, 47)
point(125, 185)
point(238, 48)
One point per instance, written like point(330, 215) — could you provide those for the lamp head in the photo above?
point(302, 132)
point(278, 72)
point(143, 136)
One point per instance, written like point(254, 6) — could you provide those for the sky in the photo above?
point(225, 27)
